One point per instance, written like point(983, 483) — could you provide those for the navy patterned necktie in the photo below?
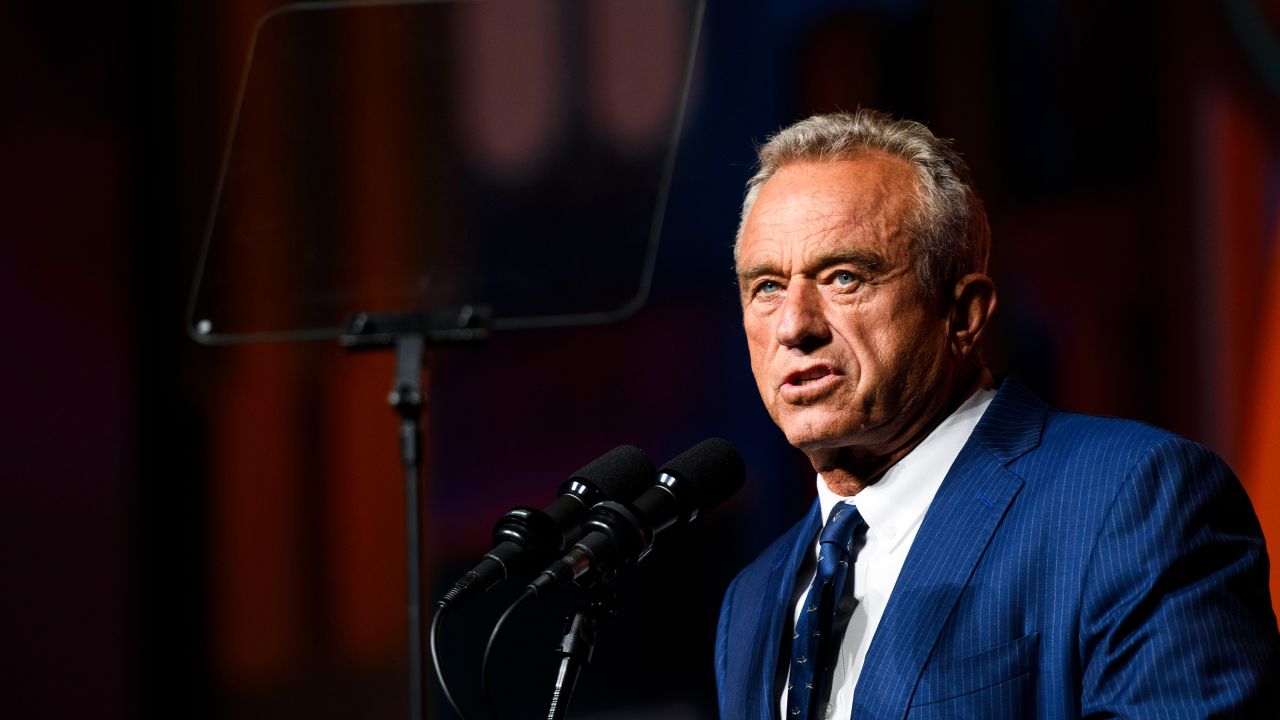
point(813, 645)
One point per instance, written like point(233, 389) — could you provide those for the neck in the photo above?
point(848, 470)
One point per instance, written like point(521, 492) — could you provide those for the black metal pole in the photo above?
point(406, 398)
point(410, 332)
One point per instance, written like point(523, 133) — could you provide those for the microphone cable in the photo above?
point(485, 675)
point(441, 609)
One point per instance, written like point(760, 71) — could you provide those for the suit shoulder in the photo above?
point(1061, 422)
point(1113, 442)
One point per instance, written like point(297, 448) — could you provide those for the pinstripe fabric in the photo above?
point(1070, 566)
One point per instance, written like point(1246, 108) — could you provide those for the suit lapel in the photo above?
point(771, 618)
point(964, 515)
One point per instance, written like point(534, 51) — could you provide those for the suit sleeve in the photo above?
point(1176, 617)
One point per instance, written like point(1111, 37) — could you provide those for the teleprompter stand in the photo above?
point(410, 333)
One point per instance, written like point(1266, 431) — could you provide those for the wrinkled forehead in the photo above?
point(820, 206)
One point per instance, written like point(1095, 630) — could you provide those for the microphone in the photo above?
point(525, 536)
point(621, 535)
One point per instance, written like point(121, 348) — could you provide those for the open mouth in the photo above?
point(808, 376)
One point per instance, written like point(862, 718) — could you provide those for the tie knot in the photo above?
point(841, 524)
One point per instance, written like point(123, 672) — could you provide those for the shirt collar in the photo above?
point(896, 503)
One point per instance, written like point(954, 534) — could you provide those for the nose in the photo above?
point(804, 323)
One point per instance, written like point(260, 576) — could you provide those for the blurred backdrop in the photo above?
point(216, 532)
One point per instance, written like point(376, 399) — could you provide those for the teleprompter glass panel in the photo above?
point(388, 156)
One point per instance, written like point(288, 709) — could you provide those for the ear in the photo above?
point(974, 302)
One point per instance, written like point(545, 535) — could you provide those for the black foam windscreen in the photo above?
point(713, 467)
point(620, 474)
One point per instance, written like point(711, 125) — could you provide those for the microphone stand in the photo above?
point(410, 333)
point(579, 644)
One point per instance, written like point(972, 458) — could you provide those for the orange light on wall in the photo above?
point(1240, 308)
point(1260, 468)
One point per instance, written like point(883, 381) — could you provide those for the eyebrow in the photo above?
point(868, 261)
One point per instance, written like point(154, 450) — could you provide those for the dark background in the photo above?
point(216, 532)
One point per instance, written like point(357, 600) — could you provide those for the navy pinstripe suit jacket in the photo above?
point(1069, 566)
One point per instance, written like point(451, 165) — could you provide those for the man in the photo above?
point(998, 559)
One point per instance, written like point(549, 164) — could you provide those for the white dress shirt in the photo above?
point(893, 508)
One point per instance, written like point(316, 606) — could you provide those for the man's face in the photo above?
point(847, 351)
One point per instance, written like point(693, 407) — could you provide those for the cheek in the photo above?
point(759, 332)
point(867, 342)
point(923, 355)
point(759, 357)
point(888, 346)
point(757, 347)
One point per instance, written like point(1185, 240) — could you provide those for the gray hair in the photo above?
point(949, 226)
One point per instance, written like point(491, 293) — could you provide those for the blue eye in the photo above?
point(844, 277)
point(768, 287)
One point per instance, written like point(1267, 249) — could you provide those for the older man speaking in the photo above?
point(971, 553)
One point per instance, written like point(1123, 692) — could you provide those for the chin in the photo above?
point(818, 428)
point(808, 436)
